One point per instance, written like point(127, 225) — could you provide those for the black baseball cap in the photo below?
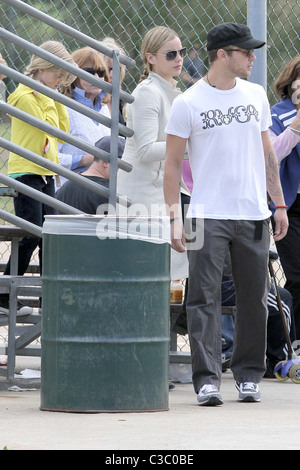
point(104, 144)
point(235, 34)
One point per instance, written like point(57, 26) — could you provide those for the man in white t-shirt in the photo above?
point(225, 119)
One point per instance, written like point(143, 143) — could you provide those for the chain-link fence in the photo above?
point(127, 22)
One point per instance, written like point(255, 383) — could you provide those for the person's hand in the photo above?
point(177, 236)
point(281, 224)
point(86, 160)
point(295, 124)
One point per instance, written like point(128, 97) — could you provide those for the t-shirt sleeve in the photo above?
point(179, 122)
point(266, 120)
point(276, 125)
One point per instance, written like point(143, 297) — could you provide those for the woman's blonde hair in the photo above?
point(110, 42)
point(154, 39)
point(38, 63)
point(85, 57)
point(2, 61)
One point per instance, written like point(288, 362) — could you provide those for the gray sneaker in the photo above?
point(209, 395)
point(248, 392)
point(22, 309)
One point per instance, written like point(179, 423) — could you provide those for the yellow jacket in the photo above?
point(30, 137)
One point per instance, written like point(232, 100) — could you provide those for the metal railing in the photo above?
point(127, 22)
point(113, 123)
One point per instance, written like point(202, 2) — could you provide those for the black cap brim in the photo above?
point(250, 44)
point(232, 34)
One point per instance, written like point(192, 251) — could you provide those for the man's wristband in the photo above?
point(172, 219)
point(280, 207)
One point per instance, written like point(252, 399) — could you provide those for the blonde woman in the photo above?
point(81, 126)
point(39, 142)
point(148, 115)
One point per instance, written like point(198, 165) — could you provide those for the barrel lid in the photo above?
point(149, 229)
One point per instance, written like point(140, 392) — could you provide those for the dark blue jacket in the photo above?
point(282, 114)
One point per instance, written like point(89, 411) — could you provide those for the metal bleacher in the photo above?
point(22, 331)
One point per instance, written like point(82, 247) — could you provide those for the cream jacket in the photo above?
point(148, 116)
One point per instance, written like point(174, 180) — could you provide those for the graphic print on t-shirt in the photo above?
point(241, 114)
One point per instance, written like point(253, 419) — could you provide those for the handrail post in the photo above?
point(115, 107)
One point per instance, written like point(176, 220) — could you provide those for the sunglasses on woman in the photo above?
point(99, 72)
point(171, 55)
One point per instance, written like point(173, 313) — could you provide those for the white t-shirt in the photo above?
point(223, 128)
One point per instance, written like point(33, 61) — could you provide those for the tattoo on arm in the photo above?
point(273, 181)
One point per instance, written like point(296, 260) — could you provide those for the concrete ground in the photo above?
point(272, 424)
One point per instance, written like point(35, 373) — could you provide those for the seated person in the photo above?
point(83, 198)
point(276, 341)
point(84, 127)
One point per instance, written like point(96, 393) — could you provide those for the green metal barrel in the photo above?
point(105, 321)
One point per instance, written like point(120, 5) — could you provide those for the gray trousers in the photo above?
point(249, 264)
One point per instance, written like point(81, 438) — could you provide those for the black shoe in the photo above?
point(226, 360)
point(180, 325)
point(269, 374)
point(22, 309)
point(171, 386)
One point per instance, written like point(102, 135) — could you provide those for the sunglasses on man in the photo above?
point(246, 52)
